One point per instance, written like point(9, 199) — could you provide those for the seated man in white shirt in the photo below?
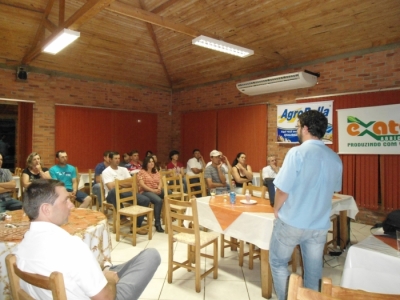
point(214, 173)
point(195, 166)
point(47, 247)
point(268, 174)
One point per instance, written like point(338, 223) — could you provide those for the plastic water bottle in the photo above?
point(232, 197)
point(247, 196)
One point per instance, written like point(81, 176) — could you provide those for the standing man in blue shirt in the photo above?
point(310, 174)
point(67, 174)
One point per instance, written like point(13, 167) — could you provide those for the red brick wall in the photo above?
point(356, 73)
point(47, 90)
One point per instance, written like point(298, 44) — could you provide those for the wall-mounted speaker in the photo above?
point(22, 75)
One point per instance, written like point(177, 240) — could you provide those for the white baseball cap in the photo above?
point(215, 153)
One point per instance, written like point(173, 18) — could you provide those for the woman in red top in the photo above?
point(177, 166)
point(150, 185)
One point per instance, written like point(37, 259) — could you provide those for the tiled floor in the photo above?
point(233, 282)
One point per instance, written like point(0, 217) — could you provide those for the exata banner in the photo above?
point(287, 120)
point(369, 130)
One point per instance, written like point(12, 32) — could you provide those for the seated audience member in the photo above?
point(268, 174)
point(7, 186)
point(195, 166)
point(126, 161)
point(98, 170)
point(150, 185)
point(34, 170)
point(241, 172)
point(149, 153)
point(156, 163)
point(214, 174)
point(47, 247)
point(114, 171)
point(135, 164)
point(177, 166)
point(272, 169)
point(67, 173)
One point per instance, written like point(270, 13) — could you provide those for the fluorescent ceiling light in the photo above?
point(62, 40)
point(221, 46)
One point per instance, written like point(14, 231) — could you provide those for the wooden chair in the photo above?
point(261, 179)
point(296, 290)
point(196, 189)
point(334, 232)
point(18, 171)
point(106, 207)
point(344, 293)
point(133, 211)
point(193, 237)
point(54, 283)
point(177, 193)
point(93, 196)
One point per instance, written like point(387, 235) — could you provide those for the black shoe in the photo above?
point(159, 228)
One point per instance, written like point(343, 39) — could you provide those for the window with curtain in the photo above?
point(232, 130)
point(85, 133)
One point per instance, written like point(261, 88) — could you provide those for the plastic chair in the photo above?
point(54, 283)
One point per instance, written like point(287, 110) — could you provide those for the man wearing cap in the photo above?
point(214, 174)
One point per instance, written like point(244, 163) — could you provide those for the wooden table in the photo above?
point(217, 214)
point(91, 226)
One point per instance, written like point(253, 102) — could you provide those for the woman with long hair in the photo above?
point(150, 185)
point(241, 172)
point(34, 170)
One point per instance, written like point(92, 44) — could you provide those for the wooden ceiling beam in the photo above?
point(82, 15)
point(154, 38)
point(50, 26)
point(61, 12)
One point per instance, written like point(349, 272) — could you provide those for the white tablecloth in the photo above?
point(84, 179)
point(373, 266)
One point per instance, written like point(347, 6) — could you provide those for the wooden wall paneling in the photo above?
point(348, 184)
point(367, 180)
point(390, 189)
point(199, 130)
point(244, 129)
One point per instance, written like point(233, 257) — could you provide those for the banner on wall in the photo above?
point(369, 130)
point(287, 120)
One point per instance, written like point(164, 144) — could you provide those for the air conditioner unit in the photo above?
point(278, 83)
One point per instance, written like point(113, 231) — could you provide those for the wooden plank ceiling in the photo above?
point(149, 42)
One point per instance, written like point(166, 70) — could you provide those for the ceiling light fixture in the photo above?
point(61, 40)
point(221, 46)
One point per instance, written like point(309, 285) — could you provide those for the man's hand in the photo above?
point(73, 193)
point(111, 276)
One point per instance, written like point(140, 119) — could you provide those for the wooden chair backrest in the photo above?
point(54, 283)
point(18, 171)
point(261, 179)
point(78, 176)
point(180, 216)
point(102, 191)
point(253, 188)
point(296, 290)
point(167, 173)
point(344, 293)
point(175, 185)
point(126, 186)
point(202, 192)
point(91, 179)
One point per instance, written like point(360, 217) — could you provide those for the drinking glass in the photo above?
point(212, 192)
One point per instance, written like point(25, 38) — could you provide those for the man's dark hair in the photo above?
point(107, 153)
point(315, 121)
point(172, 153)
point(60, 151)
point(146, 162)
point(111, 154)
point(133, 152)
point(195, 150)
point(38, 192)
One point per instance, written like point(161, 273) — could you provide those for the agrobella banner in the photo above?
point(288, 115)
point(369, 130)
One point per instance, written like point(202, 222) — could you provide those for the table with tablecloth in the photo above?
point(373, 265)
point(254, 224)
point(90, 226)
